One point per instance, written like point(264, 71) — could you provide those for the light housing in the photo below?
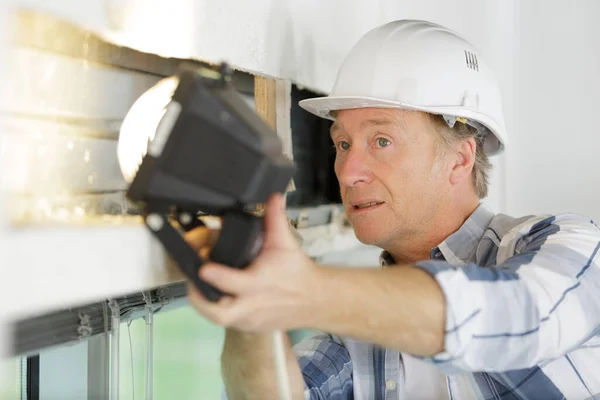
point(209, 153)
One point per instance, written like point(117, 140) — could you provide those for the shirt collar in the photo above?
point(458, 248)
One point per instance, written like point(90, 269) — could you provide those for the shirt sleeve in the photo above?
point(536, 306)
point(326, 368)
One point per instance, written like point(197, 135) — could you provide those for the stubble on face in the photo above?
point(405, 177)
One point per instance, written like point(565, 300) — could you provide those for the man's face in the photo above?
point(391, 184)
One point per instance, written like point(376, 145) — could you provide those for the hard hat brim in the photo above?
point(323, 106)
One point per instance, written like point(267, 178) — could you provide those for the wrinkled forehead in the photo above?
point(361, 118)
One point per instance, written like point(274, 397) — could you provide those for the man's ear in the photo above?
point(466, 151)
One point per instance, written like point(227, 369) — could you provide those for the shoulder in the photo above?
point(506, 227)
point(516, 235)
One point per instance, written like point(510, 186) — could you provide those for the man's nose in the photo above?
point(353, 168)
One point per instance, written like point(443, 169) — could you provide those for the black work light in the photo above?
point(191, 143)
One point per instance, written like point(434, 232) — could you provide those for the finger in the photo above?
point(277, 227)
point(217, 312)
point(227, 279)
point(202, 237)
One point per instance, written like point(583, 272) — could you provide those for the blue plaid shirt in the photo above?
point(523, 318)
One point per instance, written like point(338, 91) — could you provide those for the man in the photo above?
point(505, 307)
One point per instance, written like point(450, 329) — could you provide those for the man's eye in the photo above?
point(343, 145)
point(383, 142)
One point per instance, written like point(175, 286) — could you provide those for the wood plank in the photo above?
point(264, 103)
point(265, 100)
point(272, 101)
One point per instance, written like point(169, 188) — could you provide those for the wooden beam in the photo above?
point(265, 100)
point(272, 101)
point(264, 103)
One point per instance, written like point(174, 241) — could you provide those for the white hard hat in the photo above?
point(419, 65)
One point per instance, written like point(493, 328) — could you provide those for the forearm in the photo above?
point(248, 367)
point(399, 307)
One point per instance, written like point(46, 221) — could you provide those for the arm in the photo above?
point(248, 369)
point(317, 367)
point(534, 307)
point(257, 306)
point(400, 307)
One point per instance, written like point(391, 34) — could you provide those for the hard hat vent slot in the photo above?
point(471, 60)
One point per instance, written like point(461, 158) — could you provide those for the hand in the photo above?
point(277, 291)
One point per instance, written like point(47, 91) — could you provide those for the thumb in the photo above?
point(277, 227)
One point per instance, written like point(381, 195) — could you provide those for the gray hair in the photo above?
point(461, 131)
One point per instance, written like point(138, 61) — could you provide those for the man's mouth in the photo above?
point(368, 204)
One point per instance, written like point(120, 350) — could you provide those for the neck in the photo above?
point(418, 246)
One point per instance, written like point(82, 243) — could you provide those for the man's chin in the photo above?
point(369, 236)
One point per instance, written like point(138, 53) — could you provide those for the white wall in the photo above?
point(553, 164)
point(301, 40)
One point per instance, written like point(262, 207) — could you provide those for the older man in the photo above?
point(505, 307)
